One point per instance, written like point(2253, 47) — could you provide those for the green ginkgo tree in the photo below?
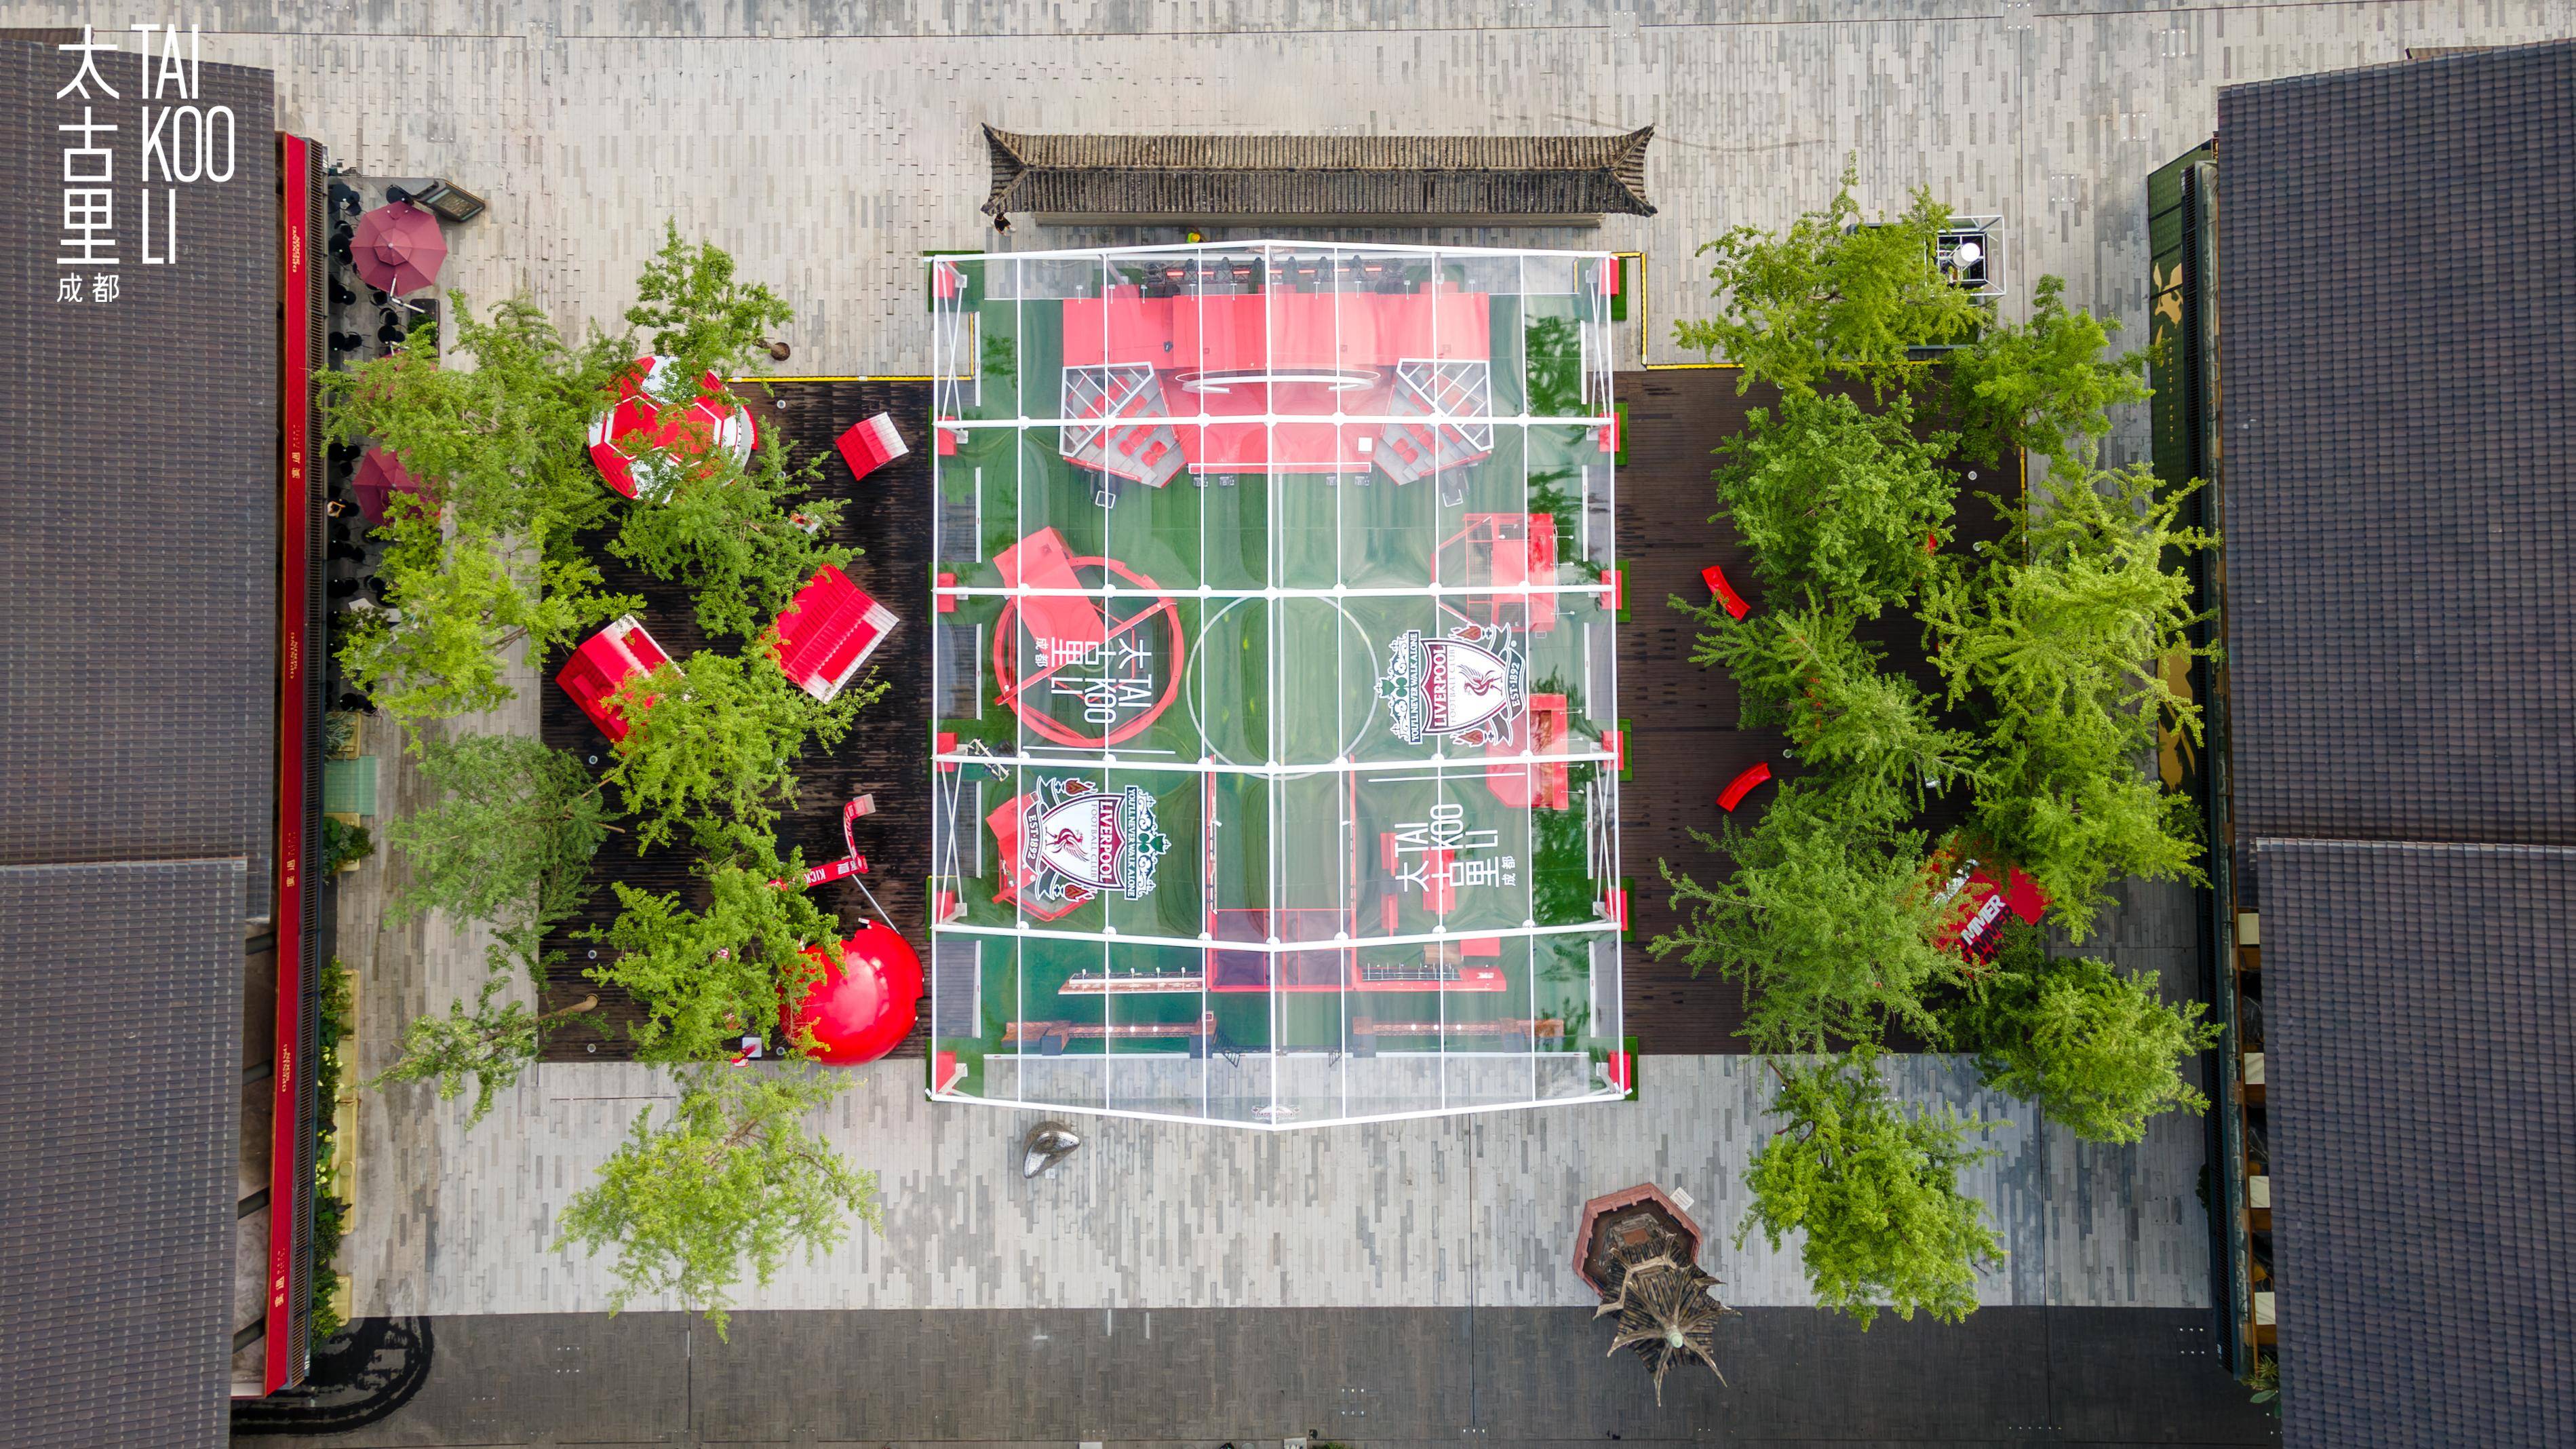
point(1871, 1191)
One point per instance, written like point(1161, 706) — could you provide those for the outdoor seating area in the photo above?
point(1274, 675)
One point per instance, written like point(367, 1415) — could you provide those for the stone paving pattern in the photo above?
point(828, 143)
point(1476, 1211)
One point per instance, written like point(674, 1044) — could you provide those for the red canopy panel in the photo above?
point(1167, 362)
point(828, 631)
point(604, 661)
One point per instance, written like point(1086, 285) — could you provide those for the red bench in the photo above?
point(871, 445)
point(827, 631)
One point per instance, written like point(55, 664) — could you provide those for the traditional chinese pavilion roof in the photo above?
point(1319, 176)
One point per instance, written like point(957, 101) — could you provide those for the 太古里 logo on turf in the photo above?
point(1078, 841)
point(1469, 684)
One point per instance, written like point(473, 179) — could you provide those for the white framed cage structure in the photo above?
point(1275, 682)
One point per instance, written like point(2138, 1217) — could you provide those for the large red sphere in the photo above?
point(864, 1008)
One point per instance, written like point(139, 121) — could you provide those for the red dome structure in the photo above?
point(863, 1009)
point(647, 406)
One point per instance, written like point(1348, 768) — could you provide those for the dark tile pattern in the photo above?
point(118, 1116)
point(1388, 1376)
point(2397, 326)
point(138, 523)
point(2397, 321)
point(2420, 1006)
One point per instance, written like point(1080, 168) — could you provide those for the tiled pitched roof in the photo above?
point(2420, 1018)
point(2397, 323)
point(138, 527)
point(1213, 176)
point(2397, 327)
point(119, 1114)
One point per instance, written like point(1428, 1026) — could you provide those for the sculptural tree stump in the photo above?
point(1640, 1252)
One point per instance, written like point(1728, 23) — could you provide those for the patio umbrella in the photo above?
point(398, 248)
point(380, 476)
point(645, 411)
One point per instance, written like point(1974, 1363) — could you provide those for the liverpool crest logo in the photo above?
point(1468, 683)
point(1078, 841)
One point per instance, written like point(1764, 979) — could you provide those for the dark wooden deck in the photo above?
point(1684, 744)
point(887, 754)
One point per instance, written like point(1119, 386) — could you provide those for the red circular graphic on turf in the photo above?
point(1107, 691)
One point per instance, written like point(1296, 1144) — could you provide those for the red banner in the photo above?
point(286, 1277)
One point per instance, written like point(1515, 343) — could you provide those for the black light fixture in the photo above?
point(451, 201)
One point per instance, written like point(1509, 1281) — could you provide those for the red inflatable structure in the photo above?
point(866, 1006)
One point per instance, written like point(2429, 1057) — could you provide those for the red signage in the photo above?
point(285, 1359)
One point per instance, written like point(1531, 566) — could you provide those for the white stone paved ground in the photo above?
point(1475, 1211)
point(827, 143)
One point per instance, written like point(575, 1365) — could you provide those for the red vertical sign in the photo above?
point(287, 1126)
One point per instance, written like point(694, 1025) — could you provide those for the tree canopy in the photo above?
point(1838, 499)
point(695, 310)
point(491, 1045)
point(509, 839)
point(1868, 735)
point(484, 559)
point(708, 977)
point(2042, 385)
point(730, 1175)
point(2061, 645)
point(2093, 1047)
point(731, 533)
point(1833, 295)
point(1875, 1191)
point(1830, 922)
point(712, 742)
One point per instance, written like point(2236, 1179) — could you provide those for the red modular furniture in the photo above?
point(871, 445)
point(1508, 550)
point(1192, 380)
point(1978, 932)
point(865, 1007)
point(1715, 578)
point(604, 661)
point(1535, 786)
point(1060, 623)
point(828, 630)
point(1742, 785)
point(655, 409)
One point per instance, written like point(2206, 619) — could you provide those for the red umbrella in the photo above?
point(866, 1007)
point(645, 410)
point(398, 248)
point(380, 476)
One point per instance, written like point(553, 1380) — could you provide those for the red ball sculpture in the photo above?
point(863, 1008)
